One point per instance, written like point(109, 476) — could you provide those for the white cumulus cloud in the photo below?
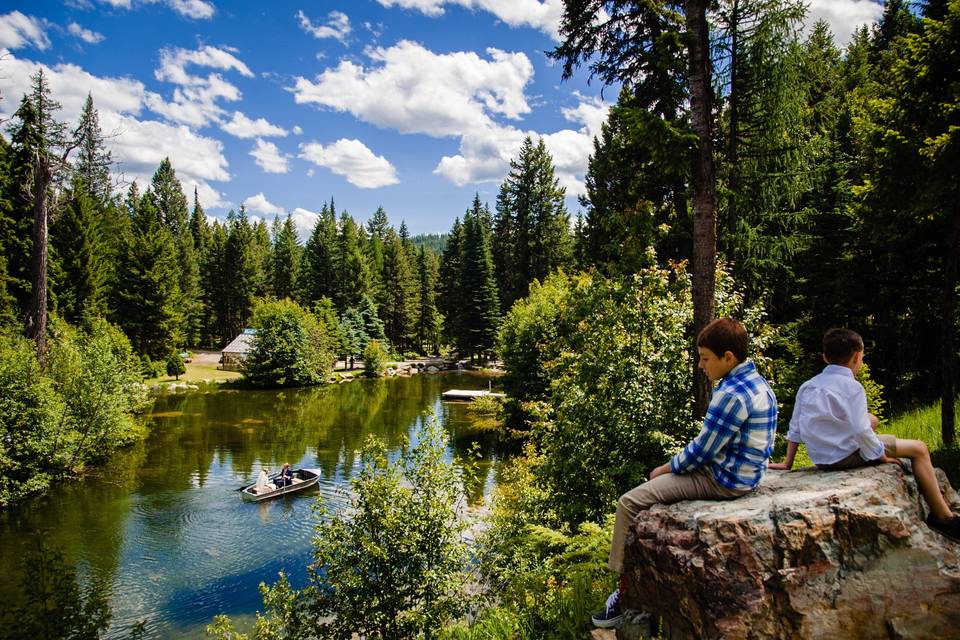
point(844, 16)
point(18, 30)
point(269, 157)
point(304, 220)
point(414, 90)
point(336, 27)
point(243, 127)
point(137, 145)
point(196, 100)
point(196, 9)
point(544, 15)
point(88, 36)
point(485, 154)
point(260, 204)
point(353, 160)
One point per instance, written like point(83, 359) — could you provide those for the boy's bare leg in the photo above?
point(923, 471)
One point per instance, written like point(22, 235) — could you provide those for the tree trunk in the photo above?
point(704, 186)
point(37, 316)
point(948, 353)
point(733, 150)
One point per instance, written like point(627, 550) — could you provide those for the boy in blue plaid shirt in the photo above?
point(728, 457)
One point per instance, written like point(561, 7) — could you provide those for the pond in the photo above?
point(162, 526)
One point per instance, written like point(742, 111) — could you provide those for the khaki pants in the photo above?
point(665, 489)
point(854, 460)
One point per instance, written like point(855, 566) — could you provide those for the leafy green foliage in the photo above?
point(619, 392)
point(55, 422)
point(532, 334)
point(174, 365)
point(543, 579)
point(374, 359)
point(391, 566)
point(55, 607)
point(292, 347)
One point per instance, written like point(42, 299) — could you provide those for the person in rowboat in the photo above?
point(286, 476)
point(263, 482)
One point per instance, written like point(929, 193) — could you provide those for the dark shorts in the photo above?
point(854, 460)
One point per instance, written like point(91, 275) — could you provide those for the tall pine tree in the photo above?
point(531, 228)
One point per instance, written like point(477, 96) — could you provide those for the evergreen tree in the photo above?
point(319, 279)
point(399, 309)
point(80, 257)
point(373, 327)
point(240, 275)
point(171, 205)
point(202, 240)
point(764, 166)
point(644, 44)
point(285, 259)
point(636, 186)
point(261, 259)
point(377, 227)
point(93, 161)
point(215, 286)
point(8, 241)
point(41, 150)
point(480, 313)
point(911, 200)
point(351, 272)
point(148, 301)
point(451, 295)
point(531, 219)
point(428, 318)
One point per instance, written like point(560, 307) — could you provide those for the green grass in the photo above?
point(198, 372)
point(920, 424)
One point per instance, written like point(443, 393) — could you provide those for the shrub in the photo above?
point(620, 388)
point(30, 409)
point(544, 579)
point(53, 423)
point(292, 347)
point(374, 359)
point(175, 366)
point(96, 373)
point(391, 566)
point(534, 333)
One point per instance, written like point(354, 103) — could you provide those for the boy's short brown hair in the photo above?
point(839, 345)
point(725, 334)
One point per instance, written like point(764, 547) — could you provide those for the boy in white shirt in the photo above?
point(830, 416)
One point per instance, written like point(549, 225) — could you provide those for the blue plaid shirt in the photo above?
point(737, 437)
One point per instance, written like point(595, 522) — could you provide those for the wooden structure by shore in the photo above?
point(470, 394)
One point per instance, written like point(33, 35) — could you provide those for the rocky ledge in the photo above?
point(809, 554)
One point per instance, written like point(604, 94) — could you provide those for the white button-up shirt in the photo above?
point(830, 417)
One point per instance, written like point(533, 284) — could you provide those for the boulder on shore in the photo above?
point(809, 554)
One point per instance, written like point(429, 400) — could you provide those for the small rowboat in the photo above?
point(302, 479)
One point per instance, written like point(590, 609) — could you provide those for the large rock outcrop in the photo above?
point(809, 554)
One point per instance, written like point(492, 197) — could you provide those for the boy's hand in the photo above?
point(888, 459)
point(778, 466)
point(659, 471)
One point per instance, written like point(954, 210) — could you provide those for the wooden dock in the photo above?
point(470, 394)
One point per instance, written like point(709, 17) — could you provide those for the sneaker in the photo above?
point(610, 616)
point(950, 528)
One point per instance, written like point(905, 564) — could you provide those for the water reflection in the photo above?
point(163, 527)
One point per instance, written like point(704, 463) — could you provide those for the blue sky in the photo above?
point(410, 104)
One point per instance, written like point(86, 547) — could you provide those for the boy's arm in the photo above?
point(870, 446)
point(787, 463)
point(725, 415)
